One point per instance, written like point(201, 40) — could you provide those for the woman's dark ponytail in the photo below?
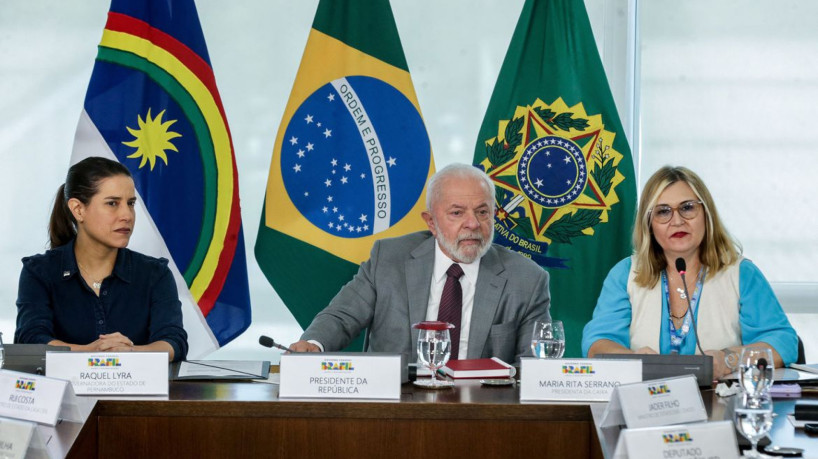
point(61, 227)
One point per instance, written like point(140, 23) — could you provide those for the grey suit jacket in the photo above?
point(390, 292)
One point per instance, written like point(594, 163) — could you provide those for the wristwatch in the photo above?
point(730, 358)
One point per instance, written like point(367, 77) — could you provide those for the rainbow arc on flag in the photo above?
point(153, 105)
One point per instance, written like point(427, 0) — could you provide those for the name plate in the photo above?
point(588, 380)
point(111, 373)
point(14, 438)
point(31, 397)
point(659, 402)
point(340, 375)
point(716, 440)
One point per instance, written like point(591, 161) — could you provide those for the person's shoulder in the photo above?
point(624, 264)
point(746, 267)
point(514, 260)
point(42, 261)
point(141, 260)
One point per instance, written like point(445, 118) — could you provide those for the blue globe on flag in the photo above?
point(349, 157)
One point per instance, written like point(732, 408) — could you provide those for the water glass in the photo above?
point(548, 339)
point(753, 421)
point(756, 373)
point(434, 350)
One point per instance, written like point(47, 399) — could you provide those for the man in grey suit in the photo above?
point(503, 293)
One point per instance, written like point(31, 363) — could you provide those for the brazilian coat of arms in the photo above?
point(555, 172)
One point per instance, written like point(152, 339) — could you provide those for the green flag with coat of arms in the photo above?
point(554, 146)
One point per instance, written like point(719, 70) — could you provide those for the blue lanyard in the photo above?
point(677, 336)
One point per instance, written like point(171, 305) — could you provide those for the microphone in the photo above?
point(681, 267)
point(266, 341)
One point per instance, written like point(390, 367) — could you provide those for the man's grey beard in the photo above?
point(465, 256)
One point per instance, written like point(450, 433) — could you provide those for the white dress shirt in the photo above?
point(467, 283)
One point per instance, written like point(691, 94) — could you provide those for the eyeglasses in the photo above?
point(687, 210)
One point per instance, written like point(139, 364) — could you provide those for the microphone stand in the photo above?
point(680, 267)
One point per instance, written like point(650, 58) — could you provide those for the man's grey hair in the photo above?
point(457, 170)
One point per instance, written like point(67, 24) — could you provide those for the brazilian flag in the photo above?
point(553, 144)
point(350, 160)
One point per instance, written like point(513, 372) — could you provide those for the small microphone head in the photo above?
point(681, 266)
point(266, 341)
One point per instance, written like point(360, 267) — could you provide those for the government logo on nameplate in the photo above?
point(340, 375)
point(587, 380)
point(111, 373)
point(704, 440)
point(30, 397)
point(659, 402)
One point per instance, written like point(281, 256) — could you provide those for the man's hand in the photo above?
point(304, 346)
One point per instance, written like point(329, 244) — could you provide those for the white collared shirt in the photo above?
point(467, 283)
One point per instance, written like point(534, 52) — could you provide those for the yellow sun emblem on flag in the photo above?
point(152, 139)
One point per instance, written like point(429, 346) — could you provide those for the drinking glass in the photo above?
point(753, 421)
point(548, 339)
point(756, 373)
point(434, 350)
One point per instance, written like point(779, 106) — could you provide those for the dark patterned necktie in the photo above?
point(451, 305)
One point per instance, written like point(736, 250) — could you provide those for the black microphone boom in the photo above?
point(681, 266)
point(266, 341)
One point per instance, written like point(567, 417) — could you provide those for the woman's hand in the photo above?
point(112, 342)
point(720, 368)
point(645, 350)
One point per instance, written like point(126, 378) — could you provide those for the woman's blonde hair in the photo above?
point(718, 249)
